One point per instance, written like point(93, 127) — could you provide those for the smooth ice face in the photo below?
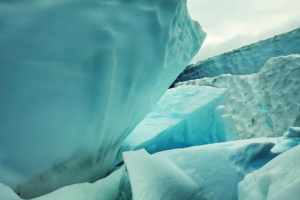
point(76, 77)
point(184, 116)
point(264, 103)
point(155, 178)
point(209, 172)
point(107, 188)
point(6, 193)
point(112, 187)
point(245, 60)
point(279, 179)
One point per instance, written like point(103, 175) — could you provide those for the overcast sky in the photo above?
point(231, 24)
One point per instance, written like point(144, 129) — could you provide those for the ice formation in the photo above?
point(109, 188)
point(264, 103)
point(290, 139)
point(210, 172)
point(277, 180)
point(292, 132)
point(76, 77)
point(6, 193)
point(184, 116)
point(157, 178)
point(112, 187)
point(246, 60)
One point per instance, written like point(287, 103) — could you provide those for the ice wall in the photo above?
point(264, 103)
point(184, 116)
point(245, 60)
point(76, 77)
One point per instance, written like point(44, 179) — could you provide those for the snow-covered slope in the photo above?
point(277, 180)
point(264, 103)
point(76, 77)
point(184, 116)
point(248, 59)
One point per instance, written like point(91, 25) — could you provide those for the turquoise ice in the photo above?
point(184, 116)
point(210, 172)
point(278, 179)
point(76, 77)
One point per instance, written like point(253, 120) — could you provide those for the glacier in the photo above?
point(279, 179)
point(264, 103)
point(184, 116)
point(245, 60)
point(75, 81)
point(86, 113)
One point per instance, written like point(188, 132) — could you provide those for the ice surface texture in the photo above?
point(293, 132)
point(6, 193)
point(76, 77)
point(157, 178)
point(210, 172)
point(264, 103)
point(248, 59)
point(184, 116)
point(277, 180)
point(108, 188)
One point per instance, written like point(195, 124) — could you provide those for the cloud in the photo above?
point(231, 24)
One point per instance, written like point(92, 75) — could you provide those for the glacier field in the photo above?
point(91, 109)
point(245, 60)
